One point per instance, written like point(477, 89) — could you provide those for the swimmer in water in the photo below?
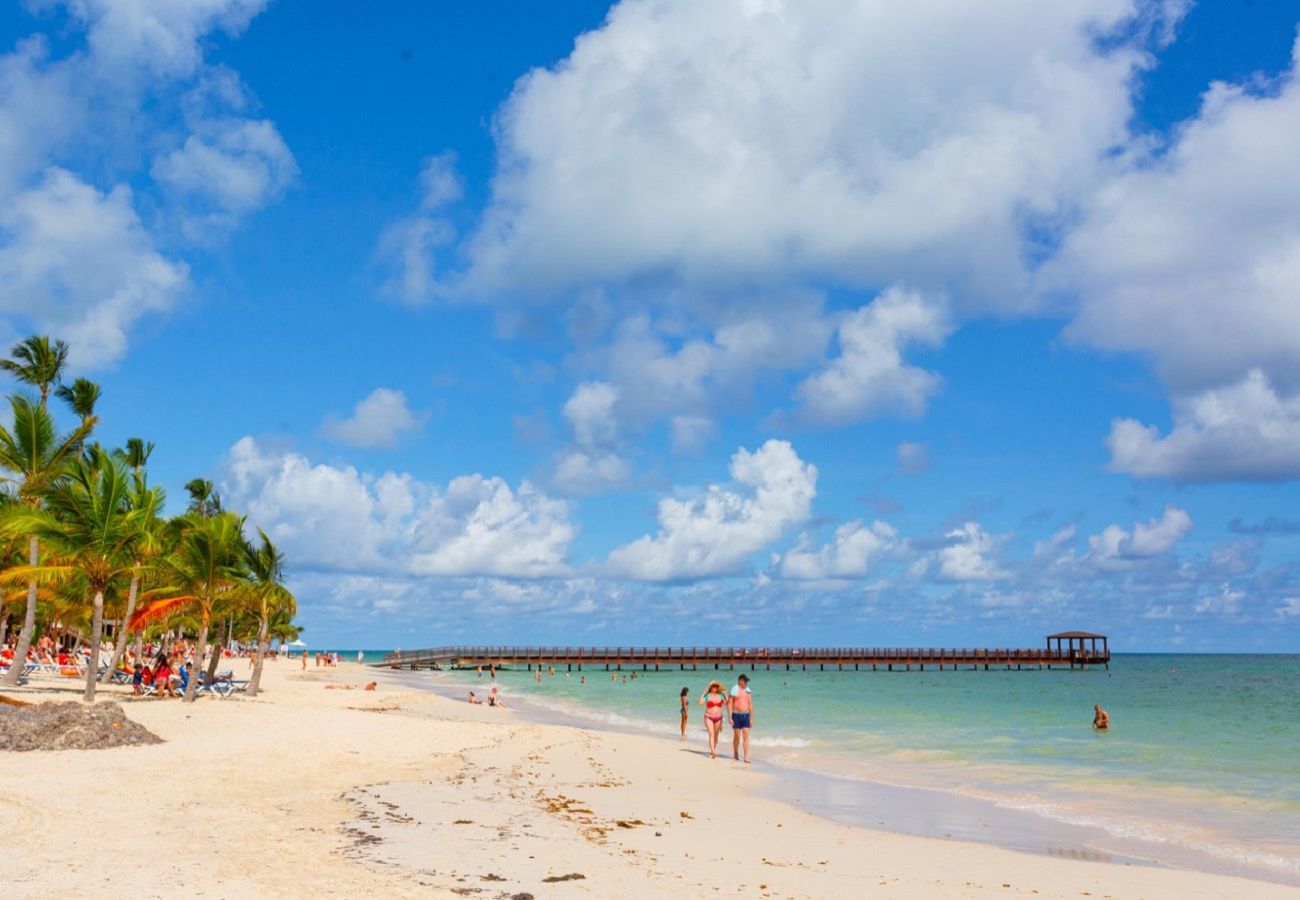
point(1100, 718)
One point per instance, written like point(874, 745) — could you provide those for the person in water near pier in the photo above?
point(742, 713)
point(686, 709)
point(1100, 718)
point(714, 701)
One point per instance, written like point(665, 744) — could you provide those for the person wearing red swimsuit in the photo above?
point(714, 701)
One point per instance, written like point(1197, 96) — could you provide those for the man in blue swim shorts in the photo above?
point(742, 715)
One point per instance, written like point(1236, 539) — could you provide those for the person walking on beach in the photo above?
point(742, 713)
point(686, 709)
point(714, 702)
point(1100, 718)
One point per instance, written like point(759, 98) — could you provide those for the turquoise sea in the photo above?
point(1200, 768)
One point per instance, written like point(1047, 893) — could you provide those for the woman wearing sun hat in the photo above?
point(715, 702)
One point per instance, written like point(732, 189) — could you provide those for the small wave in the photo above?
point(1164, 834)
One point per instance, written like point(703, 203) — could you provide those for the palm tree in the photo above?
point(81, 396)
point(39, 362)
point(34, 457)
point(206, 565)
point(147, 503)
point(266, 594)
point(151, 543)
point(282, 628)
point(204, 501)
point(136, 454)
point(90, 526)
point(10, 555)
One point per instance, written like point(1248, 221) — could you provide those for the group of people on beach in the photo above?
point(738, 704)
point(494, 698)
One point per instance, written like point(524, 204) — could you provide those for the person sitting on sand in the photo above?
point(1100, 718)
point(714, 702)
point(473, 699)
point(494, 699)
point(162, 679)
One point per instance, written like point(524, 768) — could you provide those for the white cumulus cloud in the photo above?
point(715, 534)
point(1118, 546)
point(593, 464)
point(864, 141)
point(336, 517)
point(378, 421)
point(76, 132)
point(1192, 255)
point(480, 526)
point(1241, 432)
point(869, 377)
point(231, 168)
point(969, 555)
point(76, 262)
point(849, 554)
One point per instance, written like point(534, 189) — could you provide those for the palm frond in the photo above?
point(157, 610)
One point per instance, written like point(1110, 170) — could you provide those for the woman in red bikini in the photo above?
point(714, 702)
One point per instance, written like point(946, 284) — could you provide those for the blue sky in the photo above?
point(746, 322)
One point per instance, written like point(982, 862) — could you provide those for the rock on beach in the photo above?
point(69, 726)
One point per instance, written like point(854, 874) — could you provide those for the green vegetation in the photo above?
point(84, 544)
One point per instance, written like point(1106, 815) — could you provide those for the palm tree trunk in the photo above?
point(220, 645)
point(261, 656)
point(4, 621)
point(119, 646)
point(191, 689)
point(29, 622)
point(96, 639)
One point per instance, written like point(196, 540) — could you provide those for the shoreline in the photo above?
point(817, 782)
point(317, 787)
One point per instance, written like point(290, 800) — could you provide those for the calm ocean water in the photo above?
point(1202, 758)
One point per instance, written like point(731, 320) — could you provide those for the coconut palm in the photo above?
point(283, 629)
point(136, 455)
point(81, 397)
point(90, 526)
point(150, 542)
point(204, 501)
point(266, 596)
point(39, 362)
point(11, 554)
point(200, 574)
point(33, 457)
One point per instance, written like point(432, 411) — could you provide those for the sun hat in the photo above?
point(715, 682)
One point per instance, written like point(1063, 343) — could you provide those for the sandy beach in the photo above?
point(318, 788)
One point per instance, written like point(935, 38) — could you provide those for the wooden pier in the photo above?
point(1074, 649)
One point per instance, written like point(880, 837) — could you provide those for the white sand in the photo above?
point(307, 791)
